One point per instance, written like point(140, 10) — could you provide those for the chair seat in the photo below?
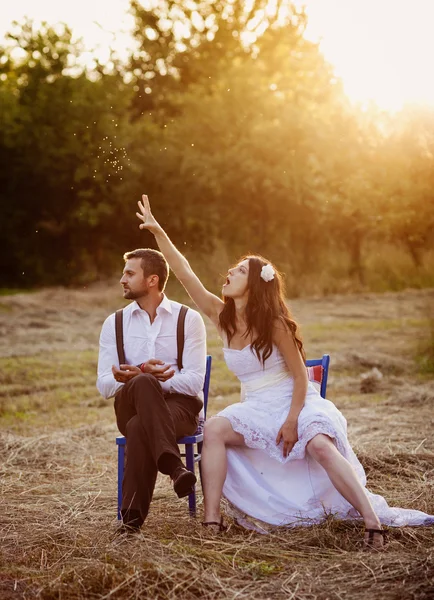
point(191, 439)
point(187, 439)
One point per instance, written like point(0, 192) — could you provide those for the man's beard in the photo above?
point(130, 295)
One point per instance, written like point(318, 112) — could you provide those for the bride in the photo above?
point(281, 456)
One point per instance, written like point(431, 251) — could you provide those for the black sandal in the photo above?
point(221, 526)
point(369, 543)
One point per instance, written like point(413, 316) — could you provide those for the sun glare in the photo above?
point(381, 49)
point(101, 24)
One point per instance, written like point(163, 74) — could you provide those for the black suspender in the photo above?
point(119, 328)
point(180, 335)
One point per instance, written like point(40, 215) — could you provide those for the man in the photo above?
point(155, 403)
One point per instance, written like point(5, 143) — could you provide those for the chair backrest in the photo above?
point(206, 383)
point(318, 371)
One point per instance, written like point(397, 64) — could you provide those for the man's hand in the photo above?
point(125, 373)
point(288, 433)
point(162, 373)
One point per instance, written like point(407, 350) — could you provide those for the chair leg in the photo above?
point(189, 459)
point(121, 461)
point(199, 462)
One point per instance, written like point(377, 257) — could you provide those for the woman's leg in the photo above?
point(218, 434)
point(345, 480)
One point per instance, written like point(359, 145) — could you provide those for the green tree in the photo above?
point(408, 183)
point(239, 157)
point(62, 150)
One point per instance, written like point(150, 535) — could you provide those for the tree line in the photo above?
point(238, 130)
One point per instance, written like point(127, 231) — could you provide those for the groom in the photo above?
point(155, 401)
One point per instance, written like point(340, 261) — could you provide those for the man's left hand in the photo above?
point(125, 373)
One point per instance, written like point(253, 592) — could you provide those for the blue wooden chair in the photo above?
point(317, 371)
point(191, 455)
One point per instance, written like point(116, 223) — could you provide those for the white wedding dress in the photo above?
point(261, 486)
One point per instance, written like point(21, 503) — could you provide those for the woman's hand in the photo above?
point(146, 216)
point(207, 302)
point(288, 433)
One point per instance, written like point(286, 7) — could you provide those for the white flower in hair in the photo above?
point(267, 273)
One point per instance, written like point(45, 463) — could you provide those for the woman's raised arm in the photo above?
point(208, 303)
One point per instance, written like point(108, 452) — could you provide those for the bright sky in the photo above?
point(382, 49)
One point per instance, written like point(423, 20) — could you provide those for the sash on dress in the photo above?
point(264, 382)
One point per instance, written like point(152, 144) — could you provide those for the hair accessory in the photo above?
point(267, 273)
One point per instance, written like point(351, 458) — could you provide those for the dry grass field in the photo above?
point(58, 523)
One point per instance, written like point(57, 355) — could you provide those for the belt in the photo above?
point(265, 381)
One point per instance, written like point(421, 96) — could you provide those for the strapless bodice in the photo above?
point(247, 367)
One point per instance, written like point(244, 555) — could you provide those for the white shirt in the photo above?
point(144, 340)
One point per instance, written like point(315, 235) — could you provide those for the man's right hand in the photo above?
point(156, 367)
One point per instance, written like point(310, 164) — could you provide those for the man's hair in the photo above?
point(153, 263)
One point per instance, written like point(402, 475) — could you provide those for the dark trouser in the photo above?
point(151, 422)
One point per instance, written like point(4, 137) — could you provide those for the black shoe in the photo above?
point(131, 521)
point(183, 482)
point(127, 530)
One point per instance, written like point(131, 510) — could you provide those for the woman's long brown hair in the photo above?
point(265, 308)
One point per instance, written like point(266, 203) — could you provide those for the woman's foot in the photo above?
point(215, 526)
point(375, 539)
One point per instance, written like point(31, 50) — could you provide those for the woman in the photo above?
point(281, 456)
